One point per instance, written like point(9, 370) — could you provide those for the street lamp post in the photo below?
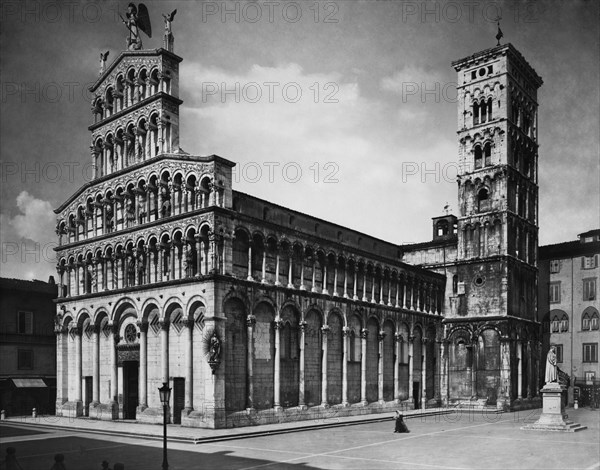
point(165, 396)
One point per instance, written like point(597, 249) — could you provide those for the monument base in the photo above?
point(553, 417)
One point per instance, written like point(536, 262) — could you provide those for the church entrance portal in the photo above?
point(130, 388)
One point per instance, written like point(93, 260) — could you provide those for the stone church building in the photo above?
point(253, 312)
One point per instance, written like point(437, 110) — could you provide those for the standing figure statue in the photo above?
point(168, 33)
point(215, 348)
point(137, 19)
point(551, 375)
point(103, 57)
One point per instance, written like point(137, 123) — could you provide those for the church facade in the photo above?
point(253, 312)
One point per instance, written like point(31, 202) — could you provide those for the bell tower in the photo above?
point(498, 214)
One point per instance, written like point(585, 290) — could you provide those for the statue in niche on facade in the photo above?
point(141, 266)
point(130, 213)
point(131, 270)
point(165, 208)
point(109, 218)
point(189, 263)
point(551, 375)
point(214, 350)
point(137, 20)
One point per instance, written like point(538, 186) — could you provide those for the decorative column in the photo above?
point(363, 366)
point(345, 335)
point(424, 374)
point(530, 378)
point(172, 271)
point(189, 366)
point(164, 347)
point(264, 266)
point(249, 277)
point(471, 371)
point(198, 255)
point(398, 287)
point(278, 324)
point(407, 289)
point(62, 385)
point(364, 296)
point(250, 322)
point(354, 290)
point(302, 287)
point(290, 268)
point(324, 283)
point(398, 346)
point(335, 279)
point(277, 283)
point(96, 365)
point(77, 265)
point(380, 337)
point(78, 365)
point(381, 284)
point(345, 295)
point(114, 376)
point(314, 272)
point(325, 330)
point(520, 370)
point(505, 382)
point(373, 287)
point(143, 378)
point(411, 340)
point(444, 345)
point(301, 378)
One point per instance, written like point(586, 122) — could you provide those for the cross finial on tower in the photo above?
point(499, 35)
point(447, 208)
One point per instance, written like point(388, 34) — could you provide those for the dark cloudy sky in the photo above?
point(370, 143)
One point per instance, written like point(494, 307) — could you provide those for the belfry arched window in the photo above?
point(483, 112)
point(483, 200)
point(475, 113)
point(487, 152)
point(478, 157)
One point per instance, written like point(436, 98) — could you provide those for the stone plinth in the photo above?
point(553, 417)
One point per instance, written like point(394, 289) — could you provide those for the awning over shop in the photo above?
point(29, 383)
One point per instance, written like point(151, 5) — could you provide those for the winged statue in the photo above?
point(137, 19)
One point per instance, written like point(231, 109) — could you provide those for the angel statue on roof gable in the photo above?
point(137, 19)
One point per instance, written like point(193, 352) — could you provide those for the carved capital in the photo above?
point(364, 333)
point(250, 321)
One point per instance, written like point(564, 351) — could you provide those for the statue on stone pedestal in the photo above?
point(551, 375)
point(103, 57)
point(168, 33)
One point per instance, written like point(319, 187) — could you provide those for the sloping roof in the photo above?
point(568, 249)
point(30, 286)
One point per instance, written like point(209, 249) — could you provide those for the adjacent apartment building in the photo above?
point(27, 346)
point(568, 294)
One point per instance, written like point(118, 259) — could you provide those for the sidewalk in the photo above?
point(177, 433)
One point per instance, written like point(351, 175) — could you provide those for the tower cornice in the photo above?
point(497, 51)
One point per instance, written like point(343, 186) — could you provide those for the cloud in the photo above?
point(28, 239)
